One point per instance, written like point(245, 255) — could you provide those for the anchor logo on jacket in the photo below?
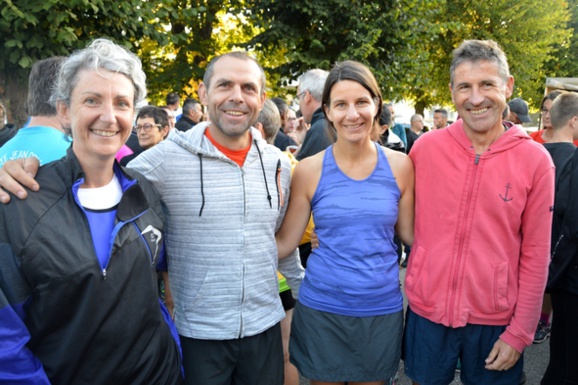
point(505, 198)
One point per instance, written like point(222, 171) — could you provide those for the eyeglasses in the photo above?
point(146, 127)
point(545, 111)
point(298, 97)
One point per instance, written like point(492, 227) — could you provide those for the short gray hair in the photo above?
point(480, 50)
point(415, 117)
point(313, 81)
point(100, 54)
point(270, 118)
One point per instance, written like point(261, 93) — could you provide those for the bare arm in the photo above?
point(403, 170)
point(17, 174)
point(303, 183)
point(169, 303)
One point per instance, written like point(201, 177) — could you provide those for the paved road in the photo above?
point(535, 362)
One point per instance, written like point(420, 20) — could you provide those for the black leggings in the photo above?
point(563, 365)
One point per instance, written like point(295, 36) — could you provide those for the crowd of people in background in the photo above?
point(240, 238)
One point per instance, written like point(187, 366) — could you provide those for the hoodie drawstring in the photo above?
point(264, 175)
point(202, 187)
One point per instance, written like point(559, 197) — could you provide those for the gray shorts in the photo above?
point(336, 348)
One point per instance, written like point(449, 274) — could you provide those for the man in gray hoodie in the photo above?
point(225, 192)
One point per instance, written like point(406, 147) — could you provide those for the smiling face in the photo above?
point(479, 94)
point(153, 136)
point(351, 110)
point(234, 97)
point(100, 114)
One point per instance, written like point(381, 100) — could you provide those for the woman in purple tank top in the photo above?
point(347, 325)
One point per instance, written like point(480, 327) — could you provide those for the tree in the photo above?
point(565, 62)
point(31, 30)
point(317, 33)
point(197, 30)
point(526, 30)
point(407, 43)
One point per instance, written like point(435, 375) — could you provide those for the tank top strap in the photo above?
point(382, 162)
point(328, 158)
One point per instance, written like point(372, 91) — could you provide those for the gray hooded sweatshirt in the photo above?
point(220, 229)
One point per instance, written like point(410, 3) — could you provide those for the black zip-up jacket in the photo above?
point(563, 273)
point(85, 325)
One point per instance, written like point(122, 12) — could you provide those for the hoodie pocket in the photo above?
point(501, 287)
point(413, 272)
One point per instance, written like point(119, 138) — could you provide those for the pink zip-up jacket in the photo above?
point(482, 231)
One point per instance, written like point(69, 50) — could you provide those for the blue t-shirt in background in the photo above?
point(45, 143)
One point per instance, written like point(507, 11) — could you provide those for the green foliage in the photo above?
point(36, 29)
point(527, 30)
point(565, 62)
point(531, 39)
point(407, 43)
point(316, 34)
point(197, 31)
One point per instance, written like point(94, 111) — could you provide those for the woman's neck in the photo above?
point(97, 172)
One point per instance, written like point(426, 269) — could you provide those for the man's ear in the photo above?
point(307, 97)
point(259, 126)
point(203, 94)
point(509, 87)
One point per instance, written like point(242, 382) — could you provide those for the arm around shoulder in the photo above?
point(17, 174)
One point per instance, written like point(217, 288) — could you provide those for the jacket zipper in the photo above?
point(243, 265)
point(462, 240)
point(115, 231)
point(242, 303)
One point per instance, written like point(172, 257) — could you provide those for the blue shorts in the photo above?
point(431, 352)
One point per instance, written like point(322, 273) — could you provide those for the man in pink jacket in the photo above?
point(478, 267)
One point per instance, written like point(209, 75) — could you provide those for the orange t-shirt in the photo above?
point(537, 136)
point(237, 156)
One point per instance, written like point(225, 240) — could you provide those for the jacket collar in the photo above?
point(317, 115)
point(512, 137)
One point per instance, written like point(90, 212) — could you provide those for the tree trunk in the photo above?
point(420, 106)
point(13, 97)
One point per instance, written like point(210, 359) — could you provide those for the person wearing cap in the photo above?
point(518, 111)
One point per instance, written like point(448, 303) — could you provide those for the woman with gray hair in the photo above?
point(78, 294)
